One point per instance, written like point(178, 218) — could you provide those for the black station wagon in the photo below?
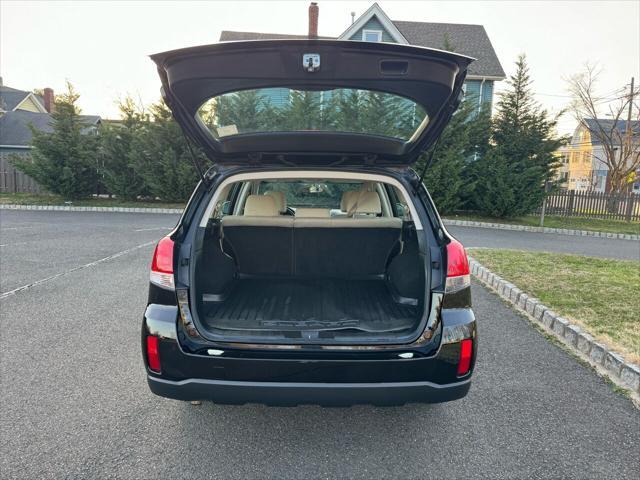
point(310, 264)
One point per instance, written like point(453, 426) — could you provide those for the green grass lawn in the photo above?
point(572, 223)
point(601, 295)
point(32, 199)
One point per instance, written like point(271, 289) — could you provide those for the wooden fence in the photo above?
point(593, 205)
point(13, 180)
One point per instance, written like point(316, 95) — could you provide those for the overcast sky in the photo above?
point(102, 47)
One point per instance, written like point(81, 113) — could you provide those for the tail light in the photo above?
point(466, 352)
point(162, 265)
point(153, 354)
point(457, 267)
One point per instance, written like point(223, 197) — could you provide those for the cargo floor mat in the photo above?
point(318, 304)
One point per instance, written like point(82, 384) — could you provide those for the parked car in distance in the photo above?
point(310, 264)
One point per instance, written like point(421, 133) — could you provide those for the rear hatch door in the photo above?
point(317, 102)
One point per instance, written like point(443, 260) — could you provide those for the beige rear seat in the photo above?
point(280, 199)
point(365, 203)
point(348, 199)
point(352, 246)
point(258, 206)
point(259, 210)
point(266, 243)
point(261, 240)
point(313, 212)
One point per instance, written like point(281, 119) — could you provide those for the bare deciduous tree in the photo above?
point(620, 138)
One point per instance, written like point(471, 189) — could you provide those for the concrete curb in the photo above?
point(67, 208)
point(527, 228)
point(604, 360)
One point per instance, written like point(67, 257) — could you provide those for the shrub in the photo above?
point(119, 173)
point(161, 157)
point(63, 161)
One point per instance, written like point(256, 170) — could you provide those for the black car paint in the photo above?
point(194, 367)
point(433, 79)
point(310, 376)
point(325, 375)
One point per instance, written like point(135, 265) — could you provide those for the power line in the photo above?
point(604, 97)
point(598, 100)
point(609, 100)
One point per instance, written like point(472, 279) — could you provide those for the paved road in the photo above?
point(36, 245)
point(74, 401)
point(592, 246)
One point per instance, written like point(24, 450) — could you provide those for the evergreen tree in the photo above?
point(247, 110)
point(63, 161)
point(523, 142)
point(119, 172)
point(495, 193)
point(379, 114)
point(346, 106)
point(447, 178)
point(408, 117)
point(161, 156)
point(329, 109)
point(303, 111)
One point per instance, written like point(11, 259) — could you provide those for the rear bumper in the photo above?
point(307, 376)
point(327, 394)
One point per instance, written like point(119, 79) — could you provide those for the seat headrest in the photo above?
point(260, 206)
point(367, 202)
point(280, 198)
point(348, 199)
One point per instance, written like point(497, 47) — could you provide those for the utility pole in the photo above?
point(629, 131)
point(629, 115)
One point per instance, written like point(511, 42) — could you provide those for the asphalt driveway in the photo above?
point(74, 401)
point(37, 244)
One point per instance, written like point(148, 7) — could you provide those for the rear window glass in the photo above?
point(311, 193)
point(289, 110)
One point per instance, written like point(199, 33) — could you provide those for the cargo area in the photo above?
point(269, 272)
point(302, 305)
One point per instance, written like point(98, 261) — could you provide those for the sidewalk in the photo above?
point(528, 228)
point(67, 208)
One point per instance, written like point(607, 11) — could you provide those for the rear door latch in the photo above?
point(311, 62)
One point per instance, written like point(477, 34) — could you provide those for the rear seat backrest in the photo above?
point(346, 246)
point(313, 212)
point(348, 199)
point(366, 203)
point(260, 206)
point(261, 240)
point(265, 243)
point(280, 199)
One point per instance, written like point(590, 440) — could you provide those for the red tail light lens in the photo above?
point(457, 267)
point(162, 264)
point(153, 354)
point(466, 352)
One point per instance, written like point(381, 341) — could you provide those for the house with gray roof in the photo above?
point(615, 129)
point(20, 110)
point(375, 26)
point(586, 157)
point(12, 99)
